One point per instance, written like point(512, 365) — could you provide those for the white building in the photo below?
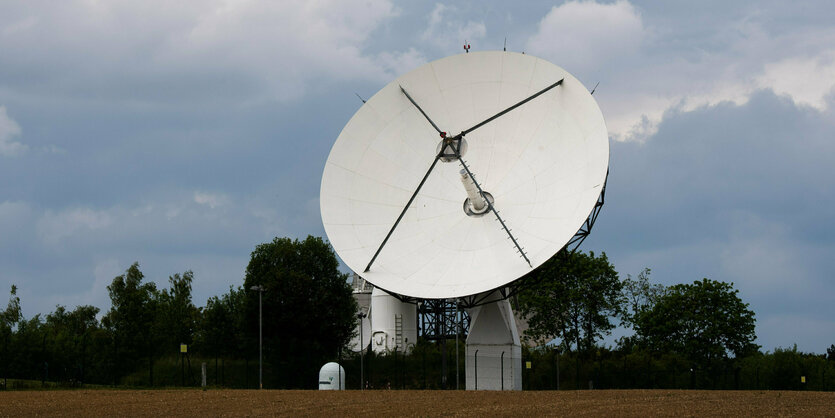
point(388, 325)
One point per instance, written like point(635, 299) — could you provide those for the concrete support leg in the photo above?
point(494, 353)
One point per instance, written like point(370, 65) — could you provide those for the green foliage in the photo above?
point(9, 317)
point(640, 296)
point(177, 316)
point(308, 307)
point(69, 337)
point(703, 321)
point(222, 325)
point(131, 319)
point(574, 297)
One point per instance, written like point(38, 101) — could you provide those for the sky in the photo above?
point(182, 134)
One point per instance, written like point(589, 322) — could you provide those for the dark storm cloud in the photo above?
point(739, 193)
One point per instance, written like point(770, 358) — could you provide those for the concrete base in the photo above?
point(494, 352)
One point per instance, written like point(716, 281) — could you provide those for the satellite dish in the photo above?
point(464, 174)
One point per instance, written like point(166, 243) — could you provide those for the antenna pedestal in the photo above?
point(494, 352)
point(393, 323)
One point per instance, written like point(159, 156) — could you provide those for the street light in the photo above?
point(260, 289)
point(362, 315)
point(457, 331)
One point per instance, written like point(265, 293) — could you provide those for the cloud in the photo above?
point(807, 80)
point(734, 192)
point(14, 215)
point(650, 63)
point(585, 34)
point(399, 63)
point(209, 233)
point(104, 271)
point(19, 26)
point(54, 227)
point(194, 50)
point(448, 29)
point(211, 200)
point(8, 130)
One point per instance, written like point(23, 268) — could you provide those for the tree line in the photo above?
point(688, 335)
point(308, 317)
point(698, 334)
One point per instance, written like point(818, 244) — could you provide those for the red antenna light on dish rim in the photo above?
point(466, 47)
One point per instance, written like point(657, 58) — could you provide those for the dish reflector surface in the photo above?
point(544, 164)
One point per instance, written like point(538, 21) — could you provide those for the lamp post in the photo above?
point(362, 315)
point(260, 289)
point(457, 331)
point(557, 353)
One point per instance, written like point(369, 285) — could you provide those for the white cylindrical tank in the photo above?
point(364, 302)
point(332, 377)
point(393, 323)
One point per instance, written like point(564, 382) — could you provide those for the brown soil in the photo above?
point(164, 403)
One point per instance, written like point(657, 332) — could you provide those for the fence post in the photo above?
point(475, 368)
point(502, 365)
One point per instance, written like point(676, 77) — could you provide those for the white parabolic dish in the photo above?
point(544, 163)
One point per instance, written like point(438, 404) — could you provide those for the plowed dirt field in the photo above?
point(605, 403)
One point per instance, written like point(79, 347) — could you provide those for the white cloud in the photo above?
point(583, 34)
point(399, 63)
point(211, 200)
point(649, 67)
point(270, 50)
point(285, 44)
point(807, 80)
point(448, 29)
point(54, 227)
point(8, 130)
point(172, 220)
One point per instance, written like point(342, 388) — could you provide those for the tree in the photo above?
point(176, 314)
point(574, 296)
point(70, 336)
point(221, 326)
point(308, 307)
point(640, 295)
point(29, 357)
point(8, 318)
point(704, 321)
point(130, 320)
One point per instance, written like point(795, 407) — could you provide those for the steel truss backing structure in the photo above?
point(441, 319)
